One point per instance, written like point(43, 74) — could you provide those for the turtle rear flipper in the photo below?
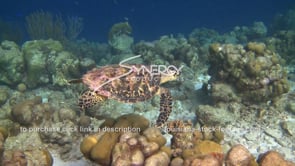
point(89, 98)
point(165, 107)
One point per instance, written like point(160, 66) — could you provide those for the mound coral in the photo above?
point(23, 111)
point(28, 157)
point(253, 72)
point(12, 63)
point(273, 158)
point(120, 37)
point(3, 136)
point(4, 95)
point(189, 146)
point(283, 42)
point(239, 155)
point(107, 138)
point(46, 62)
point(135, 149)
point(25, 149)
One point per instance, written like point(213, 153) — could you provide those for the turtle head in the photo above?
point(171, 74)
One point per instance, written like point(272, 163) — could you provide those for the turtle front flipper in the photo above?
point(89, 98)
point(165, 107)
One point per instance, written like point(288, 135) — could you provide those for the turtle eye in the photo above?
point(174, 72)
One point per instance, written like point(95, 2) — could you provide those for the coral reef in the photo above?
point(284, 21)
point(64, 134)
point(28, 157)
point(254, 72)
point(194, 145)
point(4, 95)
point(11, 63)
point(222, 92)
point(16, 158)
point(84, 121)
point(184, 137)
point(129, 86)
point(247, 89)
point(91, 52)
point(120, 28)
point(256, 32)
point(154, 135)
point(3, 136)
point(107, 138)
point(246, 93)
point(203, 36)
point(46, 62)
point(170, 50)
point(135, 149)
point(59, 129)
point(31, 111)
point(42, 122)
point(66, 114)
point(21, 87)
point(273, 158)
point(26, 149)
point(239, 155)
point(283, 42)
point(215, 115)
point(120, 37)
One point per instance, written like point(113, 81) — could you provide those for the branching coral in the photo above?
point(45, 25)
point(74, 27)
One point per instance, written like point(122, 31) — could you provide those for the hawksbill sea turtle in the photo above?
point(129, 84)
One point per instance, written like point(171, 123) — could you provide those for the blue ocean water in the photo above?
point(151, 18)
